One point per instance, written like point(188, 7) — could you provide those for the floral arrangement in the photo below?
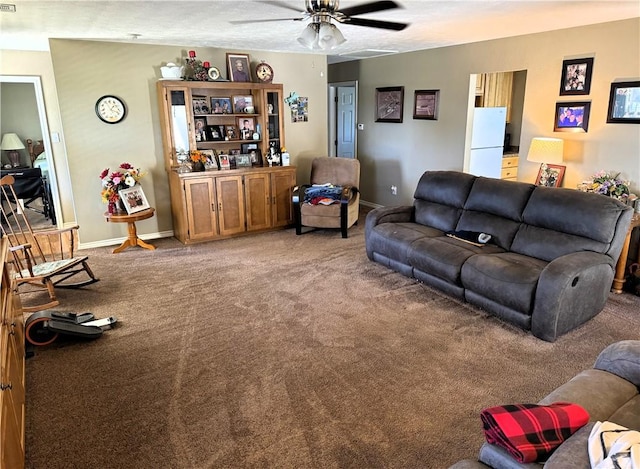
point(606, 183)
point(123, 177)
point(195, 69)
point(197, 156)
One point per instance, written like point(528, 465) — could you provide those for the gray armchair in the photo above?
point(343, 172)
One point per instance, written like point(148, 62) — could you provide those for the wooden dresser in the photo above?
point(12, 380)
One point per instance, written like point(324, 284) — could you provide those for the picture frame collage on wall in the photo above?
point(575, 80)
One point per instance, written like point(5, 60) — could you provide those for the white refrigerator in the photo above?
point(487, 141)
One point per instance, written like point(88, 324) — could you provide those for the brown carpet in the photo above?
point(284, 351)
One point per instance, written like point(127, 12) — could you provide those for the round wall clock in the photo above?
point(110, 109)
point(264, 72)
point(213, 73)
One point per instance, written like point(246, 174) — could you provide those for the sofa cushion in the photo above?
point(495, 206)
point(392, 240)
point(440, 197)
point(444, 256)
point(569, 227)
point(506, 278)
point(623, 359)
point(574, 452)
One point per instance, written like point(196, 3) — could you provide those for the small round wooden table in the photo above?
point(132, 240)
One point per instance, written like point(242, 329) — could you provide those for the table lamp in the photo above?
point(12, 143)
point(546, 151)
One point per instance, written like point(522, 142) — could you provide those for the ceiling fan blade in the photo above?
point(283, 5)
point(369, 8)
point(265, 20)
point(375, 23)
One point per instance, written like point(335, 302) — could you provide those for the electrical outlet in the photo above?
point(394, 190)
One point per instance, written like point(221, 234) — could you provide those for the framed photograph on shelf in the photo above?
point(231, 132)
point(624, 103)
point(221, 105)
point(425, 105)
point(247, 147)
point(550, 175)
point(243, 161)
point(255, 156)
point(576, 76)
point(223, 158)
point(216, 132)
point(201, 129)
point(200, 105)
point(241, 103)
point(211, 162)
point(389, 104)
point(246, 127)
point(134, 199)
point(238, 68)
point(572, 117)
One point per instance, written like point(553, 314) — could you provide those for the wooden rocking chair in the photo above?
point(41, 260)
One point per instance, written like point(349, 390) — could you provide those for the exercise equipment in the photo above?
point(44, 327)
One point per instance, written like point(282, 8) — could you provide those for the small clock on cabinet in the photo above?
point(264, 72)
point(110, 109)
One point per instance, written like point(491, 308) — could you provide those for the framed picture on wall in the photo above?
point(624, 103)
point(425, 104)
point(389, 103)
point(576, 76)
point(238, 67)
point(572, 117)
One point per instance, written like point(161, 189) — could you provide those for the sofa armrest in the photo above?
point(400, 214)
point(571, 290)
point(622, 359)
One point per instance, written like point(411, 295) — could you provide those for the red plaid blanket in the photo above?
point(530, 432)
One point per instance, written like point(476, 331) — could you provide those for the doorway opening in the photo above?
point(31, 86)
point(343, 118)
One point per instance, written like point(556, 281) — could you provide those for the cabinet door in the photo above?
point(257, 196)
point(201, 208)
point(230, 205)
point(282, 183)
point(274, 117)
point(497, 91)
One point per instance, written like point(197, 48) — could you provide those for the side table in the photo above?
point(132, 240)
point(621, 266)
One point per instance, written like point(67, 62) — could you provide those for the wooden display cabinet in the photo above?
point(12, 372)
point(218, 204)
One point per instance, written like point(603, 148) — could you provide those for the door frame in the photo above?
point(46, 140)
point(332, 116)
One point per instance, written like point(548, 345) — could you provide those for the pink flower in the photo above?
point(104, 173)
point(126, 166)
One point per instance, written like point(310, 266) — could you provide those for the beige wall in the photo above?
point(397, 154)
point(86, 70)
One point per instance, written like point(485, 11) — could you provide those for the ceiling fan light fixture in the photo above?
point(309, 36)
point(329, 36)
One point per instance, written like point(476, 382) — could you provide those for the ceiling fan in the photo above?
point(321, 33)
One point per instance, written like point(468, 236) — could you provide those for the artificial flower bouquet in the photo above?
point(112, 182)
point(197, 156)
point(606, 183)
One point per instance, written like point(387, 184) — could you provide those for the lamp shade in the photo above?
point(546, 150)
point(11, 141)
point(309, 36)
point(329, 36)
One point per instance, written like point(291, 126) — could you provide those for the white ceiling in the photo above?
point(206, 23)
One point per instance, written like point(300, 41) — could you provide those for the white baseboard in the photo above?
point(117, 241)
point(370, 204)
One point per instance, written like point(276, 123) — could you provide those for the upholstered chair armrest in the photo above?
point(622, 359)
point(348, 192)
point(571, 290)
point(298, 192)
